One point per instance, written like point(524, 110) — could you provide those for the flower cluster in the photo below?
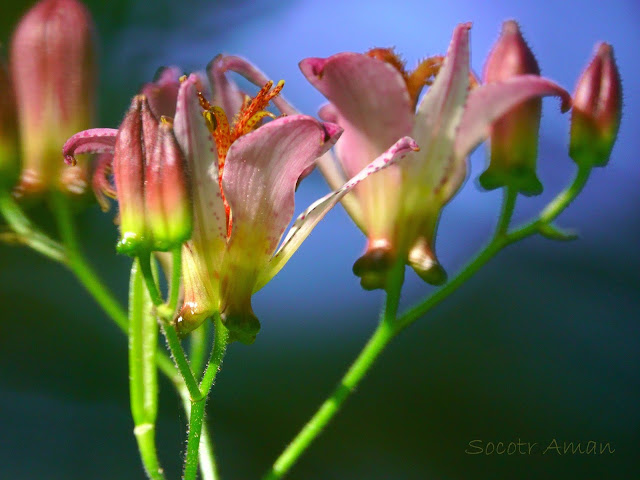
point(243, 174)
point(201, 167)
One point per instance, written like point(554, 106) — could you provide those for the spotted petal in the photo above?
point(208, 241)
point(94, 140)
point(307, 221)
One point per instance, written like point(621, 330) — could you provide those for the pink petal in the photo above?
point(259, 180)
point(489, 102)
point(95, 140)
point(370, 100)
point(194, 138)
point(438, 117)
point(261, 173)
point(224, 63)
point(162, 93)
point(226, 93)
point(307, 221)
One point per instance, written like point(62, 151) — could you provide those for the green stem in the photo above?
point(508, 206)
point(143, 382)
point(176, 275)
point(27, 232)
point(389, 327)
point(180, 359)
point(383, 334)
point(196, 419)
point(199, 340)
point(501, 240)
point(208, 467)
point(79, 265)
point(88, 278)
point(149, 278)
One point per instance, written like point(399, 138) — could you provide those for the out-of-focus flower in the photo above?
point(9, 159)
point(243, 177)
point(597, 110)
point(52, 66)
point(514, 137)
point(373, 98)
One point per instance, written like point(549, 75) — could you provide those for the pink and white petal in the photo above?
point(162, 93)
point(249, 71)
point(489, 102)
point(437, 120)
point(194, 138)
point(307, 221)
point(94, 140)
point(370, 100)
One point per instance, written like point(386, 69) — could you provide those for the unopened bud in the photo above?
point(53, 76)
point(9, 160)
point(597, 109)
point(514, 137)
point(167, 199)
point(128, 172)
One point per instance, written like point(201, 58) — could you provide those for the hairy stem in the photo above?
point(198, 405)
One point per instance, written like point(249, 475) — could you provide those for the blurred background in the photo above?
point(542, 344)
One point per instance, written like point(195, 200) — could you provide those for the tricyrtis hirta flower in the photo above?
point(374, 99)
point(244, 173)
point(52, 65)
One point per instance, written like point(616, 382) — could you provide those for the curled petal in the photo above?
point(94, 140)
point(306, 222)
point(226, 93)
point(224, 63)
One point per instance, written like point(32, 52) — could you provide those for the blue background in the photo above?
point(543, 343)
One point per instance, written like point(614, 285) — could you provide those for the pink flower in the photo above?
point(243, 177)
point(373, 99)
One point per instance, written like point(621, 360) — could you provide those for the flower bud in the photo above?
point(597, 109)
point(167, 199)
point(514, 137)
point(9, 161)
point(53, 76)
point(128, 172)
